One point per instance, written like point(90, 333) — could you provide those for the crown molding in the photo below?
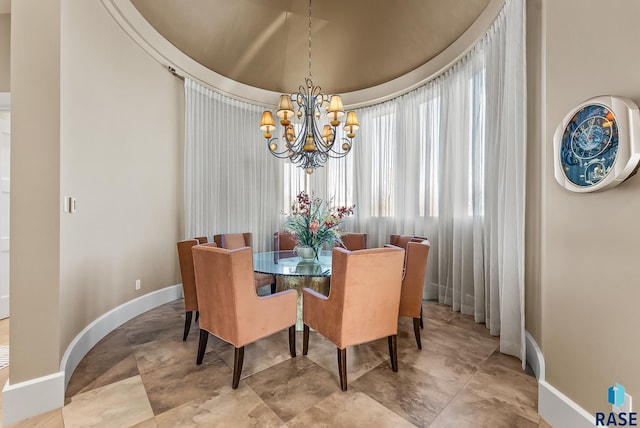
point(134, 24)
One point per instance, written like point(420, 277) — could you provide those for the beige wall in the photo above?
point(590, 255)
point(121, 158)
point(534, 128)
point(5, 45)
point(35, 189)
point(94, 118)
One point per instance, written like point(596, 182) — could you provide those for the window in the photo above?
point(383, 165)
point(429, 149)
point(477, 144)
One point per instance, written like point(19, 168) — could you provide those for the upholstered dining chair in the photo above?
point(402, 240)
point(185, 258)
point(354, 241)
point(362, 305)
point(413, 284)
point(284, 243)
point(232, 241)
point(231, 310)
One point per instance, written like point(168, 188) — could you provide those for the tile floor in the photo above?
point(144, 375)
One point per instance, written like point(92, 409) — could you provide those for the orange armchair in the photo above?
point(354, 241)
point(362, 305)
point(402, 240)
point(188, 281)
point(285, 242)
point(230, 308)
point(413, 284)
point(232, 241)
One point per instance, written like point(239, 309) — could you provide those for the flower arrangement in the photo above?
point(313, 221)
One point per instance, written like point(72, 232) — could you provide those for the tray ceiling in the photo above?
point(357, 44)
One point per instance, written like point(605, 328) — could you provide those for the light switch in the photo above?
point(72, 205)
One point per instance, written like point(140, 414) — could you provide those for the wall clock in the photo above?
point(597, 145)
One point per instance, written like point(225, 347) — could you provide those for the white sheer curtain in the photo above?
point(231, 183)
point(446, 161)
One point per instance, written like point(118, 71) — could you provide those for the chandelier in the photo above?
point(315, 141)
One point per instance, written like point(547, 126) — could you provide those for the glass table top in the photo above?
point(288, 264)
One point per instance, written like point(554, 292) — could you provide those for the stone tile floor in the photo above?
point(144, 375)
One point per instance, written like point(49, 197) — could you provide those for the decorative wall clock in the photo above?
point(597, 145)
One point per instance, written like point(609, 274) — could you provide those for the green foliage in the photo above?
point(314, 222)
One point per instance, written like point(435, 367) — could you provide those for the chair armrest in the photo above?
point(278, 294)
point(315, 294)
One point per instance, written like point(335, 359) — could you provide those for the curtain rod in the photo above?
point(173, 71)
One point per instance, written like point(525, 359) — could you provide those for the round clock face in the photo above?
point(589, 145)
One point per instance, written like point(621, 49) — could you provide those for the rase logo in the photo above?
point(621, 414)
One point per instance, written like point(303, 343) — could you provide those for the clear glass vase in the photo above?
point(308, 253)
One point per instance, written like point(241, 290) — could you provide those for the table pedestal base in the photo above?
point(321, 284)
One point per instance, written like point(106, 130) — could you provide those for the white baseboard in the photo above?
point(32, 397)
point(36, 396)
point(559, 410)
point(98, 329)
point(555, 407)
point(534, 356)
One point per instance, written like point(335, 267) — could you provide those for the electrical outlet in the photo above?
point(137, 284)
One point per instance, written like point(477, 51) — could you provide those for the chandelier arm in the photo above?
point(280, 155)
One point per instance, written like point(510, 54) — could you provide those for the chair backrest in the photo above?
point(402, 240)
point(226, 292)
point(365, 290)
point(283, 245)
point(284, 241)
point(354, 241)
point(232, 241)
point(185, 258)
point(413, 281)
point(202, 239)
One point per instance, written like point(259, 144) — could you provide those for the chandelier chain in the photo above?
point(309, 39)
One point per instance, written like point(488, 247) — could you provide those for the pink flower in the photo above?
point(314, 226)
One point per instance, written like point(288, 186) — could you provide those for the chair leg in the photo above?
point(342, 368)
point(416, 331)
point(187, 324)
point(305, 339)
point(197, 315)
point(292, 340)
point(393, 351)
point(238, 359)
point(421, 323)
point(204, 337)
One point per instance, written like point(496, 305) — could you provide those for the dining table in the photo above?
point(292, 272)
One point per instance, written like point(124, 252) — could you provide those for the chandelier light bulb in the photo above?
point(309, 170)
